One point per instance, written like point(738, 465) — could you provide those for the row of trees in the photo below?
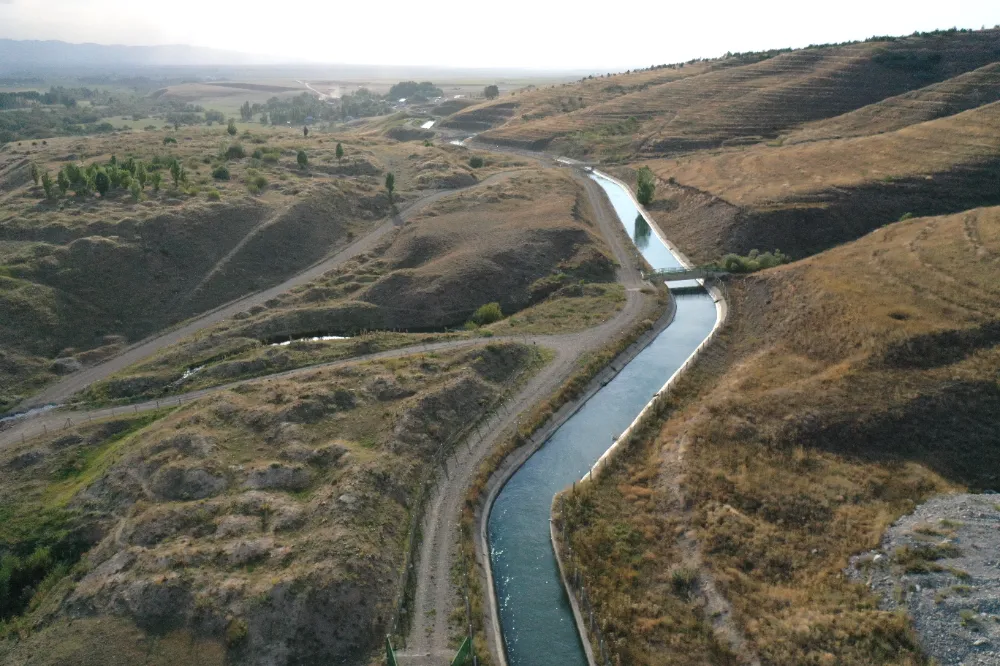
point(131, 176)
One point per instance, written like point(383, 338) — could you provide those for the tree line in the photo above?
point(130, 175)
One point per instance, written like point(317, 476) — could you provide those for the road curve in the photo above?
point(435, 596)
point(60, 391)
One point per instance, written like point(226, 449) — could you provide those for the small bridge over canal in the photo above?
point(680, 274)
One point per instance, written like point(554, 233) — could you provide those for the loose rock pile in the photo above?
point(941, 564)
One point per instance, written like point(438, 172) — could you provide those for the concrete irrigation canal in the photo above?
point(535, 615)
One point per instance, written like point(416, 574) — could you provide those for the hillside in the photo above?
point(806, 197)
point(961, 93)
point(85, 275)
point(847, 388)
point(263, 525)
point(527, 242)
point(729, 102)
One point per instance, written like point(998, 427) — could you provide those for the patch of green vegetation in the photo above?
point(922, 559)
point(572, 308)
point(754, 261)
point(486, 314)
point(969, 618)
point(86, 468)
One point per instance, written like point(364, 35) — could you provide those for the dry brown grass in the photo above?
point(525, 242)
point(967, 91)
point(733, 103)
point(807, 197)
point(847, 388)
point(556, 100)
point(763, 176)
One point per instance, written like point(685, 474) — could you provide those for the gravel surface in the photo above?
point(941, 564)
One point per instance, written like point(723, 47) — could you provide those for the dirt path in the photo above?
point(435, 595)
point(60, 391)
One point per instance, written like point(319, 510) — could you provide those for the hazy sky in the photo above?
point(505, 33)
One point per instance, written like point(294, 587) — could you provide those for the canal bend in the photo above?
point(535, 615)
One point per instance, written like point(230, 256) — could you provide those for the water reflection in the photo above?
point(641, 232)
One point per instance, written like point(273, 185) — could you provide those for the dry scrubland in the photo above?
point(527, 242)
point(83, 276)
point(847, 388)
point(262, 525)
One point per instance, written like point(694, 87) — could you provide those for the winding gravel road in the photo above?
point(428, 642)
point(61, 391)
point(435, 596)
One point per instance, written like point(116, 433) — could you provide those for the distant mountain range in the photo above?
point(18, 54)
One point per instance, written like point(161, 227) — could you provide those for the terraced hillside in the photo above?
point(806, 197)
point(961, 93)
point(731, 103)
point(538, 103)
point(847, 388)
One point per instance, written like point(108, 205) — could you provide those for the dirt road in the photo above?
point(435, 597)
point(60, 391)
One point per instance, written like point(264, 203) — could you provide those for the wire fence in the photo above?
point(574, 578)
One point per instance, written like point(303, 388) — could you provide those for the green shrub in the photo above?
point(236, 632)
point(476, 162)
point(258, 154)
point(487, 314)
point(169, 139)
point(220, 172)
point(646, 186)
point(256, 183)
point(755, 261)
point(213, 194)
point(235, 152)
point(905, 216)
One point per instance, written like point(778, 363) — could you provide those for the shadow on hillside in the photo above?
point(954, 431)
point(815, 223)
point(935, 350)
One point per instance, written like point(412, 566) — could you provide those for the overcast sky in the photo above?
point(542, 34)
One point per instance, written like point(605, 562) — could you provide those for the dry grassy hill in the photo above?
point(806, 197)
point(961, 93)
point(527, 242)
point(259, 526)
point(728, 102)
point(847, 388)
point(83, 275)
point(538, 103)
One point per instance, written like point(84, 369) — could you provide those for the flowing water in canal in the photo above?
point(535, 615)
